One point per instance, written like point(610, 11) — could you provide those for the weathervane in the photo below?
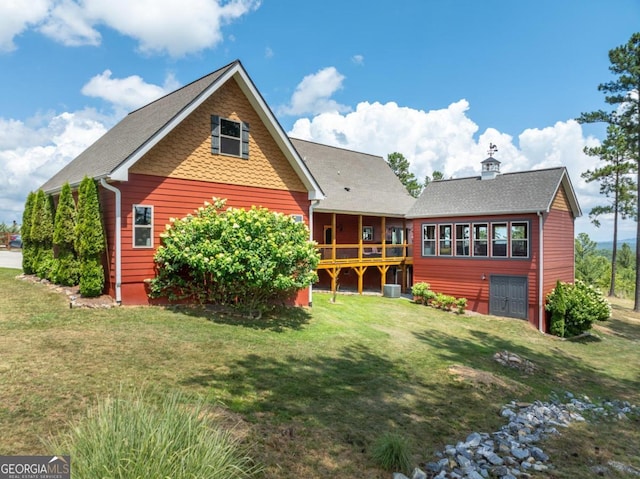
point(492, 149)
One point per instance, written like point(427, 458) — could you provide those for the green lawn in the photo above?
point(310, 391)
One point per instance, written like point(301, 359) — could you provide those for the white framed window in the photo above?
point(445, 239)
point(519, 239)
point(142, 226)
point(298, 218)
point(480, 239)
point(428, 240)
point(229, 137)
point(367, 233)
point(462, 239)
point(499, 239)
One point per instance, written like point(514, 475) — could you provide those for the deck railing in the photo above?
point(374, 253)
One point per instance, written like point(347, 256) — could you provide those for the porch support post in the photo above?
point(360, 272)
point(384, 237)
point(383, 275)
point(333, 273)
point(360, 238)
point(333, 236)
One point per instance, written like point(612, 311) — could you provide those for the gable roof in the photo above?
point(354, 182)
point(508, 193)
point(112, 155)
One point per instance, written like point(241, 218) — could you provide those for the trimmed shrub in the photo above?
point(392, 453)
point(66, 269)
point(132, 437)
point(89, 240)
point(41, 235)
point(461, 305)
point(251, 259)
point(583, 305)
point(419, 291)
point(28, 247)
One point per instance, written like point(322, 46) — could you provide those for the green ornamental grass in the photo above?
point(131, 437)
point(391, 451)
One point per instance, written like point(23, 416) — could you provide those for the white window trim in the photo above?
point(463, 239)
point(486, 240)
point(451, 239)
point(526, 239)
point(135, 227)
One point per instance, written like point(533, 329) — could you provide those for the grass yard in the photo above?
point(310, 391)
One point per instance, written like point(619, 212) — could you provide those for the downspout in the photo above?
point(312, 204)
point(118, 238)
point(540, 273)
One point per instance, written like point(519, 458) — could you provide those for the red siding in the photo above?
point(175, 198)
point(462, 276)
point(559, 249)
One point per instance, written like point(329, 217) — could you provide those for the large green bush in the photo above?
point(252, 259)
point(583, 305)
point(132, 437)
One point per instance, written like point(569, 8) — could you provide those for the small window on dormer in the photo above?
point(229, 137)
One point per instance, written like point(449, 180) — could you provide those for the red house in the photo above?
point(499, 240)
point(213, 137)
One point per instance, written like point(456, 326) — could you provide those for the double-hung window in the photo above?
point(519, 240)
point(229, 137)
point(462, 240)
point(445, 239)
point(480, 239)
point(428, 240)
point(499, 239)
point(142, 226)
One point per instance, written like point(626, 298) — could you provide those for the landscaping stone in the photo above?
point(509, 453)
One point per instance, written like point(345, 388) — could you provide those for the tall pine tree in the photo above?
point(400, 166)
point(616, 184)
point(623, 94)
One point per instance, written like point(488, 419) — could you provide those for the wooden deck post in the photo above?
point(333, 237)
point(383, 275)
point(360, 272)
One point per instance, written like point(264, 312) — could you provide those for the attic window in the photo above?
point(229, 137)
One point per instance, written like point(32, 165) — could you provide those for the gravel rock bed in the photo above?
point(511, 453)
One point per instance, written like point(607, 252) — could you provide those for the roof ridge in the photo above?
point(509, 173)
point(336, 147)
point(226, 67)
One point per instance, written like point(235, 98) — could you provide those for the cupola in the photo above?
point(490, 166)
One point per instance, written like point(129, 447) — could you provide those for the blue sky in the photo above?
point(436, 81)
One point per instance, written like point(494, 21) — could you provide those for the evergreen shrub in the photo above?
point(583, 305)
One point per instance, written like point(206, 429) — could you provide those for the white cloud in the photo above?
point(175, 27)
point(448, 140)
point(127, 93)
point(16, 17)
point(268, 52)
point(31, 154)
point(358, 59)
point(160, 26)
point(313, 94)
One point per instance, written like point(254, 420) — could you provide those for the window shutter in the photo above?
point(215, 134)
point(245, 140)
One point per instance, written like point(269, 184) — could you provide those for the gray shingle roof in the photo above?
point(509, 193)
point(354, 182)
point(130, 134)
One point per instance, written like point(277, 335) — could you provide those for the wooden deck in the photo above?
point(360, 257)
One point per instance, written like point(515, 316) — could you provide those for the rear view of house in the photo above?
point(499, 240)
